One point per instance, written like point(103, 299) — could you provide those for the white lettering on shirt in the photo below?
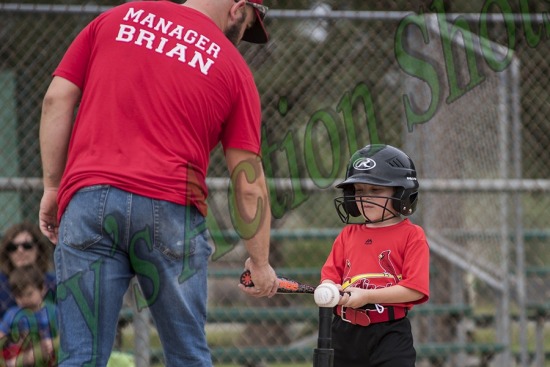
point(204, 66)
point(167, 38)
point(125, 33)
point(146, 36)
point(178, 50)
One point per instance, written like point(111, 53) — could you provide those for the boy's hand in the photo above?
point(353, 297)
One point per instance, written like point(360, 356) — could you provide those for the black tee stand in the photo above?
point(323, 355)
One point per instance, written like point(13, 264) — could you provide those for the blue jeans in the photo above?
point(107, 236)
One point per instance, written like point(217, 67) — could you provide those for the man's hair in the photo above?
point(25, 276)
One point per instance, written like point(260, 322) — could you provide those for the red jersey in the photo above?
point(365, 257)
point(161, 87)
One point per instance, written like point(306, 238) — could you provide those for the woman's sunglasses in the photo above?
point(12, 247)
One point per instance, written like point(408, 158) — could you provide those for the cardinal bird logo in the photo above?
point(387, 266)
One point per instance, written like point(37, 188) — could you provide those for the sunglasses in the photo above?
point(262, 9)
point(12, 247)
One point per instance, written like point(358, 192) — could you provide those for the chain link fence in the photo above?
point(463, 90)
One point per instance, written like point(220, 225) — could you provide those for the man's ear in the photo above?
point(237, 9)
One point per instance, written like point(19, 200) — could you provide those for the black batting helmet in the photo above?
point(380, 165)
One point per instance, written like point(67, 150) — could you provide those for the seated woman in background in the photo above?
point(23, 244)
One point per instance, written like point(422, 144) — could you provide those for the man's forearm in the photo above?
point(253, 218)
point(250, 200)
point(258, 245)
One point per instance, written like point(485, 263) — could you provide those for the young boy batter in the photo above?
point(381, 264)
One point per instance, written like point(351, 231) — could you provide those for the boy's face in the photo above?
point(30, 298)
point(374, 202)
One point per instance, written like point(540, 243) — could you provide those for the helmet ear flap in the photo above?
point(350, 205)
point(413, 199)
point(405, 201)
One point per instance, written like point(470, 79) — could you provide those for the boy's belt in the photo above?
point(367, 316)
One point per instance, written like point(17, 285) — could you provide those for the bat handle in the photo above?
point(246, 279)
point(285, 285)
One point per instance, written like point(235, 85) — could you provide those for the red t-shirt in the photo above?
point(161, 87)
point(371, 258)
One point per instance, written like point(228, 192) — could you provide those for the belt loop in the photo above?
point(391, 313)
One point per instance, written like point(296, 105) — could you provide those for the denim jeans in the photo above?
point(106, 237)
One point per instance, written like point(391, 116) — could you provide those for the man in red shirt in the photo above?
point(158, 85)
point(381, 263)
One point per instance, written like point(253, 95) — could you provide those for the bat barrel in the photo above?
point(323, 355)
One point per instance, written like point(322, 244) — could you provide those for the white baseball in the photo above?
point(326, 295)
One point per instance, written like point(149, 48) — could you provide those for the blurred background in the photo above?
point(462, 87)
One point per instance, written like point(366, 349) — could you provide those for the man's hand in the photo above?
point(47, 215)
point(264, 278)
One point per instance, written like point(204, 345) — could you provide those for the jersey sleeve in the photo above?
point(416, 274)
point(242, 128)
point(75, 63)
point(334, 265)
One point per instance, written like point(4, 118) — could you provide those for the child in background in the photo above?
point(381, 264)
point(28, 330)
point(23, 244)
